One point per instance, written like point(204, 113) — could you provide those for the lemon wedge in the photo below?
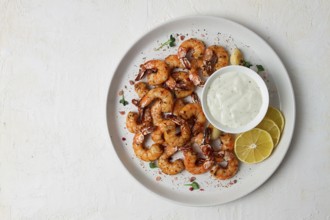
point(271, 127)
point(253, 146)
point(277, 116)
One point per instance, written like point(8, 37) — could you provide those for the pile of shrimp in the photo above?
point(169, 111)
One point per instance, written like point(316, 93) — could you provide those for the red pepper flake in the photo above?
point(131, 82)
point(232, 182)
point(123, 139)
point(191, 188)
point(158, 178)
point(182, 37)
point(201, 189)
point(121, 92)
point(122, 112)
point(192, 179)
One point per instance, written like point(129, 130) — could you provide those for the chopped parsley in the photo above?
point(260, 68)
point(246, 63)
point(152, 165)
point(194, 185)
point(123, 101)
point(170, 42)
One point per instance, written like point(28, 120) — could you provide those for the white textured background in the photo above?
point(56, 61)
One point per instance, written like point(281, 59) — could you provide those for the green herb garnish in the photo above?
point(170, 42)
point(246, 63)
point(152, 165)
point(193, 185)
point(123, 101)
point(260, 68)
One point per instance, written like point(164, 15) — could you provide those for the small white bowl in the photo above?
point(264, 96)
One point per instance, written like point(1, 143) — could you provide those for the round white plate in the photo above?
point(212, 30)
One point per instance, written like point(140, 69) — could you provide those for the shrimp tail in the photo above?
point(176, 119)
point(141, 73)
point(147, 130)
point(144, 71)
point(186, 62)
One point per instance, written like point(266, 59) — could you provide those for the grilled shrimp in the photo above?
point(214, 58)
point(141, 88)
point(158, 93)
point(156, 112)
point(170, 167)
point(179, 81)
point(137, 121)
point(227, 142)
point(195, 98)
point(192, 163)
point(144, 153)
point(191, 46)
point(194, 110)
point(173, 62)
point(225, 172)
point(178, 104)
point(198, 139)
point(206, 148)
point(157, 72)
point(182, 85)
point(194, 72)
point(170, 135)
point(196, 165)
point(158, 134)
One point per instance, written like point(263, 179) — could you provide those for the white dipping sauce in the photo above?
point(234, 99)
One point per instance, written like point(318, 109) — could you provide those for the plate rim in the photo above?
point(286, 74)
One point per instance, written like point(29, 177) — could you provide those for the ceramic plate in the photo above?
point(211, 30)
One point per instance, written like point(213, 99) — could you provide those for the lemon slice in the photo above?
point(271, 127)
point(253, 146)
point(277, 116)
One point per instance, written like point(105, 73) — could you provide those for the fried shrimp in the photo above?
point(192, 47)
point(157, 72)
point(158, 93)
point(141, 89)
point(170, 167)
point(144, 153)
point(171, 136)
point(215, 57)
point(195, 111)
point(229, 170)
